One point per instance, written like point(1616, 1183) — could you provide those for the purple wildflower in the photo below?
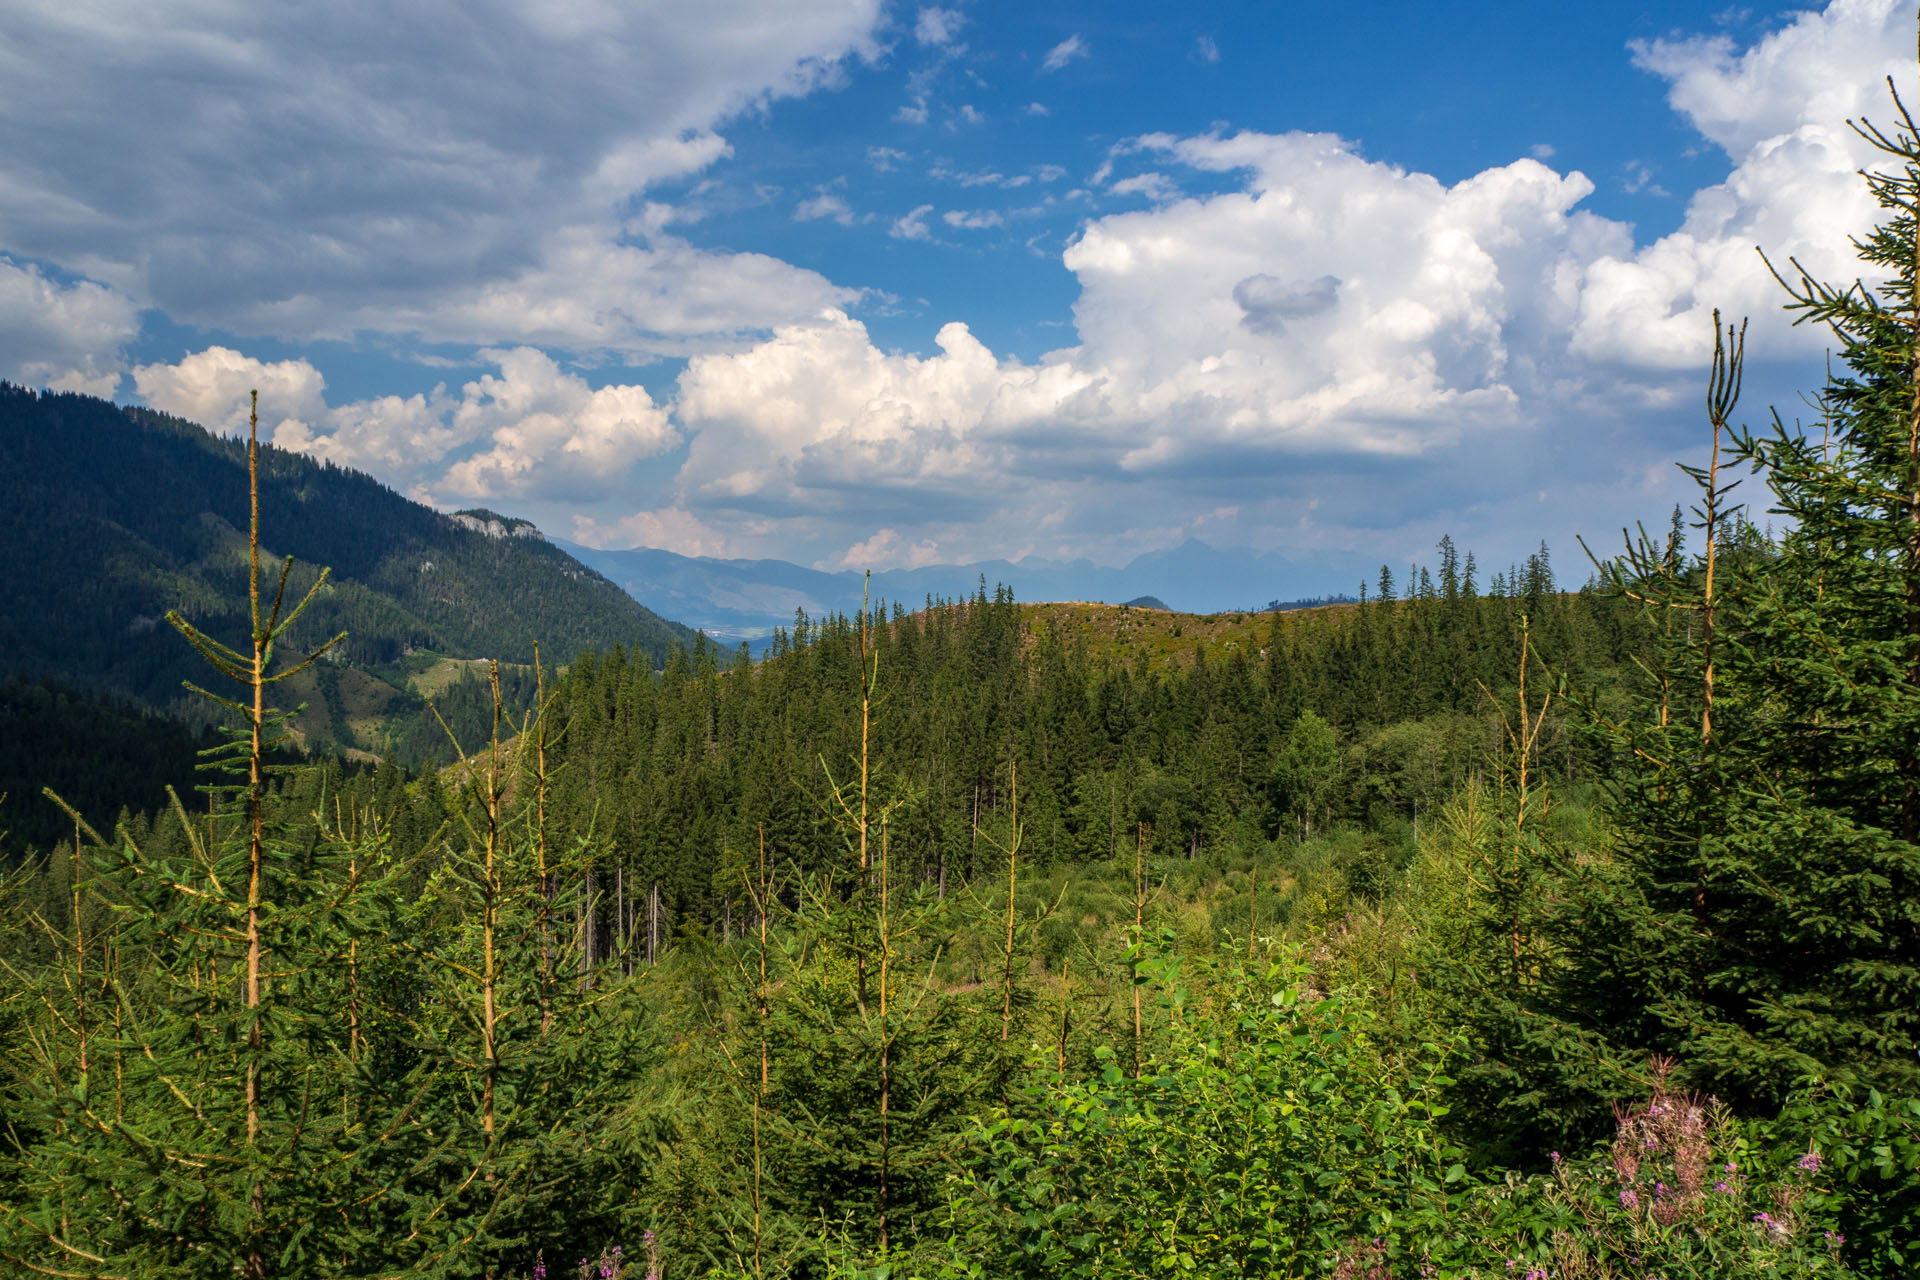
point(1809, 1163)
point(1629, 1198)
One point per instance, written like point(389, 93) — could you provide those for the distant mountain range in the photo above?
point(736, 600)
point(110, 517)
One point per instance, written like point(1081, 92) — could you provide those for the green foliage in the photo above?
point(1277, 1128)
point(1304, 768)
point(1869, 1148)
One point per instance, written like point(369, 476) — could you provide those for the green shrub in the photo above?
point(1275, 1130)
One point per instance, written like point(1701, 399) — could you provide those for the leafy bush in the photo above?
point(1869, 1145)
point(1274, 1130)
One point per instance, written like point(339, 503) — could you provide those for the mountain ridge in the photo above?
point(112, 516)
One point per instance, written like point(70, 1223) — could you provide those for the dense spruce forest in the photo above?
point(1476, 929)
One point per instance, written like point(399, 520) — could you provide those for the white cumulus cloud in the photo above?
point(886, 549)
point(972, 219)
point(548, 434)
point(828, 204)
point(911, 225)
point(818, 419)
point(67, 337)
point(534, 430)
point(671, 528)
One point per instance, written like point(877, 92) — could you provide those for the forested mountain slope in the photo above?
point(110, 517)
point(97, 753)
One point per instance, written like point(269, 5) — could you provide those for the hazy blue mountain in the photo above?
point(734, 600)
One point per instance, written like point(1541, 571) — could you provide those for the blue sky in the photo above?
point(854, 283)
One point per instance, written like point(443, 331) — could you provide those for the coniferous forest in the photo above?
point(1480, 928)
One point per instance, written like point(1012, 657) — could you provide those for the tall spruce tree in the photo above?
point(1765, 925)
point(195, 1105)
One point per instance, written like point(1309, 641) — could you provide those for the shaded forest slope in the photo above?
point(112, 516)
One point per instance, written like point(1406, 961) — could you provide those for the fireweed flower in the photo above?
point(1629, 1198)
point(1809, 1163)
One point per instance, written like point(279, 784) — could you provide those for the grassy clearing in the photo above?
point(1165, 640)
point(432, 678)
